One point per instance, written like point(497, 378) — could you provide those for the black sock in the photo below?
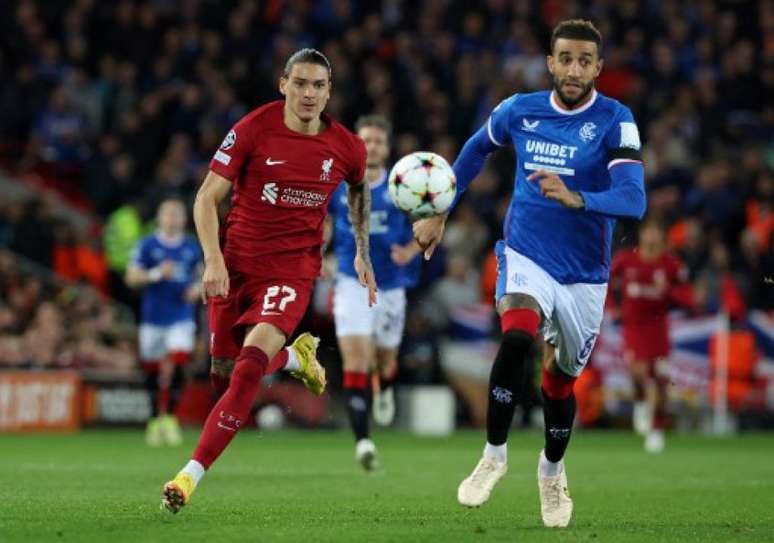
point(175, 388)
point(152, 386)
point(558, 416)
point(359, 409)
point(506, 382)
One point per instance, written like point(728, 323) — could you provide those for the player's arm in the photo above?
point(140, 274)
point(359, 200)
point(205, 212)
point(626, 196)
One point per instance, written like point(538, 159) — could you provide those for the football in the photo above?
point(422, 184)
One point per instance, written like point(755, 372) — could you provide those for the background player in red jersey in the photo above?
point(283, 162)
point(648, 280)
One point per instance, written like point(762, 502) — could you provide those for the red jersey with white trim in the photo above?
point(647, 289)
point(282, 182)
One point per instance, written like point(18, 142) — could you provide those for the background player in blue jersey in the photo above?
point(165, 265)
point(369, 337)
point(578, 169)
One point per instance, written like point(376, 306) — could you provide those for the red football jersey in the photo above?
point(282, 181)
point(647, 289)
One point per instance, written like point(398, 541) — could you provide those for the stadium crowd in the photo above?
point(121, 104)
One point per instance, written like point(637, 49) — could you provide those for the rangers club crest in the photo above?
point(588, 132)
point(327, 165)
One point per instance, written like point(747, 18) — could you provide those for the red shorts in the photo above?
point(251, 300)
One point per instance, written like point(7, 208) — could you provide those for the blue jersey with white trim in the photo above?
point(580, 146)
point(163, 302)
point(388, 226)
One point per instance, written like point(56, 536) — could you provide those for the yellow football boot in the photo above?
point(177, 492)
point(312, 374)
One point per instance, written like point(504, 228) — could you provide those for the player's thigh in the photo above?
point(351, 313)
point(180, 337)
point(575, 325)
point(521, 283)
point(151, 339)
point(271, 311)
point(357, 353)
point(390, 318)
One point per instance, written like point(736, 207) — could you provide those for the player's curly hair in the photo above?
point(577, 29)
point(308, 56)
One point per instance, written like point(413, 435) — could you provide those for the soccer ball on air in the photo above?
point(422, 184)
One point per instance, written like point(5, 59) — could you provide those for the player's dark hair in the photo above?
point(374, 120)
point(577, 29)
point(308, 56)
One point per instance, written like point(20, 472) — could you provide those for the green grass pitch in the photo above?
point(297, 486)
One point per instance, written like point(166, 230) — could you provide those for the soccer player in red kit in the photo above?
point(281, 162)
point(647, 281)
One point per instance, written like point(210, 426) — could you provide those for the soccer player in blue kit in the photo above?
point(369, 337)
point(578, 170)
point(166, 265)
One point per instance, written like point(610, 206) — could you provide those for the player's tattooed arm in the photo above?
point(213, 190)
point(359, 200)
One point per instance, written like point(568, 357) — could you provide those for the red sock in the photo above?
point(163, 400)
point(278, 362)
point(219, 383)
point(233, 408)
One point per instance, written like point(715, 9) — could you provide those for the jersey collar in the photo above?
point(584, 107)
point(372, 185)
point(170, 242)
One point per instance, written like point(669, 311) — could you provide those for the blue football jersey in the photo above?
point(579, 145)
point(388, 226)
point(163, 302)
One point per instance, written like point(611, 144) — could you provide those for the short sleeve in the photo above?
point(356, 172)
point(498, 125)
point(141, 257)
point(622, 140)
point(234, 150)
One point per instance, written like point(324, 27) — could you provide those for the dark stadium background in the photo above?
point(106, 108)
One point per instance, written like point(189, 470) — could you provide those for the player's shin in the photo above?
point(233, 408)
point(357, 387)
point(506, 380)
point(558, 414)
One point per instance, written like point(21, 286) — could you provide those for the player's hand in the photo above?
point(215, 279)
point(167, 269)
point(428, 233)
point(553, 188)
point(365, 274)
point(192, 293)
point(402, 254)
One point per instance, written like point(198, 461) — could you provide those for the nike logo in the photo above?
point(270, 162)
point(226, 427)
point(270, 313)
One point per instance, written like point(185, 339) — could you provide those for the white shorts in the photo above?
point(157, 341)
point(384, 321)
point(573, 313)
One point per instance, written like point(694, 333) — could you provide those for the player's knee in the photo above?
point(557, 385)
point(222, 367)
point(520, 322)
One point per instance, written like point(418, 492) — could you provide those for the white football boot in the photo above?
point(555, 502)
point(365, 454)
point(642, 418)
point(654, 441)
point(384, 407)
point(475, 490)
